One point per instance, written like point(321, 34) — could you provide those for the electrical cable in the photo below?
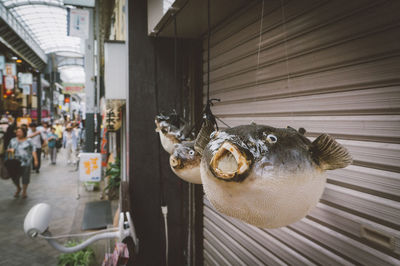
point(164, 207)
point(164, 210)
point(163, 201)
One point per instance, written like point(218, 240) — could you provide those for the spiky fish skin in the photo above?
point(189, 168)
point(281, 186)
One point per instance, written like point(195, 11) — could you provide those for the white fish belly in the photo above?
point(167, 143)
point(191, 175)
point(268, 202)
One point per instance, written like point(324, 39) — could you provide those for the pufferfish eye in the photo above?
point(272, 139)
point(191, 152)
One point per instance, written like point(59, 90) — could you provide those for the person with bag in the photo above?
point(22, 149)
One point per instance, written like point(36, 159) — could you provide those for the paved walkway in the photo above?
point(56, 185)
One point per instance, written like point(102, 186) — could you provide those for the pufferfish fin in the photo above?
point(203, 137)
point(329, 154)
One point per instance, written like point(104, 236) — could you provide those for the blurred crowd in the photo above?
point(30, 144)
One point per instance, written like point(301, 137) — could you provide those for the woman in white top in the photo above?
point(36, 137)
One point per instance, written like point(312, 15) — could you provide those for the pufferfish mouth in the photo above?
point(175, 162)
point(229, 162)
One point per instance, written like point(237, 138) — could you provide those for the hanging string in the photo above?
point(286, 51)
point(163, 196)
point(207, 109)
point(219, 119)
point(208, 118)
point(208, 48)
point(175, 61)
point(259, 41)
point(163, 202)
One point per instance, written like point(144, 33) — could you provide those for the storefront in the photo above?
point(21, 60)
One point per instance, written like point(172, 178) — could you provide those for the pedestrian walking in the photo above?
point(60, 133)
point(10, 132)
point(70, 144)
point(37, 140)
point(77, 132)
point(51, 144)
point(44, 130)
point(59, 129)
point(24, 150)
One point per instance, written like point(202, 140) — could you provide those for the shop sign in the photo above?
point(34, 88)
point(56, 95)
point(79, 23)
point(89, 167)
point(113, 115)
point(9, 82)
point(61, 99)
point(34, 102)
point(26, 89)
point(11, 69)
point(2, 62)
point(73, 87)
point(25, 78)
point(23, 120)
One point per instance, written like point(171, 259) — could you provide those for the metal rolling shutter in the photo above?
point(332, 67)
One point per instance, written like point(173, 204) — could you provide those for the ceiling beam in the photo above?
point(35, 2)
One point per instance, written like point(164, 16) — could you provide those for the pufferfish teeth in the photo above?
point(229, 161)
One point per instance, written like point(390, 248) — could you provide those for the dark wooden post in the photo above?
point(148, 183)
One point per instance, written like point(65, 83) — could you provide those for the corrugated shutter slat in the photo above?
point(330, 67)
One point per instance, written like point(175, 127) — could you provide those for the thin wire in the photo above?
point(175, 60)
point(208, 48)
point(285, 45)
point(80, 234)
point(163, 196)
point(259, 41)
point(219, 119)
point(286, 52)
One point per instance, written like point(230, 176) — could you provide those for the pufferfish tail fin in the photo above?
point(329, 154)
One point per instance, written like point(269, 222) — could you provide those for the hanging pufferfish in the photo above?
point(172, 130)
point(265, 176)
point(186, 158)
point(175, 139)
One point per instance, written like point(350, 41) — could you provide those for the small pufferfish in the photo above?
point(171, 130)
point(185, 162)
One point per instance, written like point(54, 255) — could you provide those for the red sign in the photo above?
point(73, 87)
point(34, 114)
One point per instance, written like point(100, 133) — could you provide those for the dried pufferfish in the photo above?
point(172, 130)
point(268, 177)
point(185, 162)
